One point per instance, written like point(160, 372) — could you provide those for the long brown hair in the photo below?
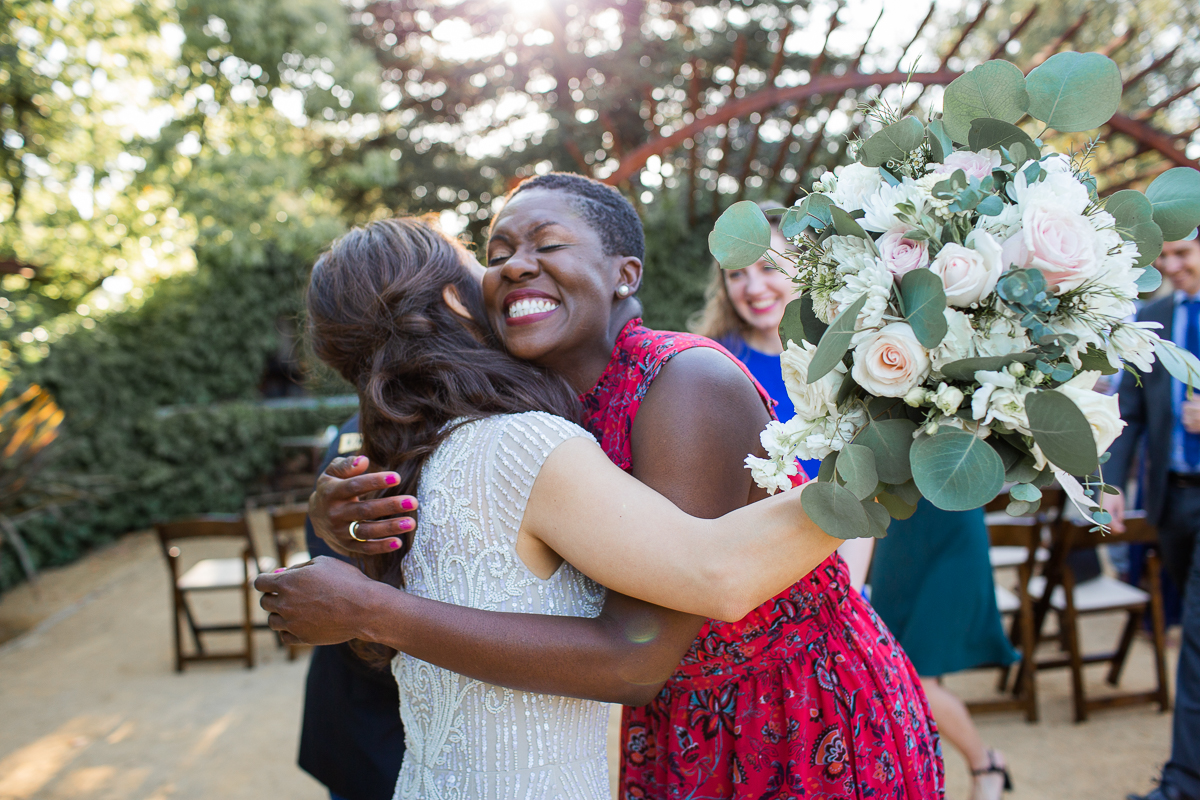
point(376, 314)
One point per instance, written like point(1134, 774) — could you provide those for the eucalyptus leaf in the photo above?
point(793, 222)
point(1183, 366)
point(1010, 456)
point(992, 134)
point(1019, 508)
point(828, 467)
point(907, 491)
point(1175, 196)
point(1149, 240)
point(924, 301)
point(741, 236)
point(1129, 207)
point(1062, 431)
point(791, 327)
point(897, 508)
point(1095, 359)
point(836, 341)
point(836, 511)
point(1074, 91)
point(1025, 492)
point(1022, 472)
point(1149, 279)
point(893, 143)
point(956, 470)
point(879, 516)
point(856, 466)
point(965, 368)
point(990, 206)
point(939, 141)
point(813, 327)
point(846, 225)
point(993, 89)
point(890, 440)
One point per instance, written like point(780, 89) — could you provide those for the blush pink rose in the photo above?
point(1062, 244)
point(902, 255)
point(975, 165)
point(969, 274)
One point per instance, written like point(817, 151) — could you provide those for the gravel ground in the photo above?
point(91, 709)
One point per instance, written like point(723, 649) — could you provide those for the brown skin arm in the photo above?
point(690, 451)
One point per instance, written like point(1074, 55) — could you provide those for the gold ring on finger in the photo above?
point(354, 531)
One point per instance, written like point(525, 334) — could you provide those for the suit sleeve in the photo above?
point(317, 545)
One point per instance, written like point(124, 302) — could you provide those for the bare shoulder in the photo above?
point(705, 384)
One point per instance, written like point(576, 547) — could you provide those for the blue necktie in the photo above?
point(1191, 341)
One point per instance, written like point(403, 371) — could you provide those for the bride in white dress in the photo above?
point(508, 488)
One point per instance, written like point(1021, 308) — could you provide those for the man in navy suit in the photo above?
point(1160, 416)
point(351, 739)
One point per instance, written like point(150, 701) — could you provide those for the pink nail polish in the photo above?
point(394, 545)
point(281, 569)
point(406, 524)
point(408, 504)
point(358, 460)
point(391, 480)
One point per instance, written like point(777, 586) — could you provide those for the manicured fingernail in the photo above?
point(281, 569)
point(392, 480)
point(406, 524)
point(394, 545)
point(408, 504)
point(358, 460)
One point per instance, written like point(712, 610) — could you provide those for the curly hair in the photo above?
point(601, 206)
point(376, 315)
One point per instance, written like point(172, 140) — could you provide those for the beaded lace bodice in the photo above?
point(465, 739)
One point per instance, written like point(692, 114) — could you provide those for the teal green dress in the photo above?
point(931, 582)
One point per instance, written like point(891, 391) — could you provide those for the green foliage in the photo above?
point(835, 341)
point(893, 143)
point(836, 510)
point(964, 369)
point(741, 236)
point(956, 470)
point(924, 303)
point(1182, 364)
point(994, 89)
point(856, 467)
point(891, 442)
point(1062, 431)
point(1175, 198)
point(1074, 91)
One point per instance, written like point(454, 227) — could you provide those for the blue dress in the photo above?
point(765, 368)
point(931, 582)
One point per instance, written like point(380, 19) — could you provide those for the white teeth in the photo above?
point(523, 308)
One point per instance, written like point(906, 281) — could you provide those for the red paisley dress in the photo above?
point(808, 697)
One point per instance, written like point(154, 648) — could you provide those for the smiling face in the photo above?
point(1180, 262)
point(759, 293)
point(550, 289)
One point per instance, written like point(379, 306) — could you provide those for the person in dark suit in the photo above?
point(351, 739)
point(1160, 416)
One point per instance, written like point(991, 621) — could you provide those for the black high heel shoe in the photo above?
point(993, 768)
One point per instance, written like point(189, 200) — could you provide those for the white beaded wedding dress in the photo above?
point(465, 739)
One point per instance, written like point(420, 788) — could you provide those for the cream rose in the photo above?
point(812, 400)
point(900, 254)
point(1061, 244)
point(890, 362)
point(855, 183)
point(975, 165)
point(1103, 412)
point(969, 274)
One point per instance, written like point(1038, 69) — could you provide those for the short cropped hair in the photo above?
point(601, 206)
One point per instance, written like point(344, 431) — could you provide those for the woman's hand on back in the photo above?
point(337, 502)
point(324, 601)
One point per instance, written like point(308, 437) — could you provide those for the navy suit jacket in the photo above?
point(351, 739)
point(1149, 418)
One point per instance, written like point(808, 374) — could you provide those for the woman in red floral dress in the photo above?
point(809, 696)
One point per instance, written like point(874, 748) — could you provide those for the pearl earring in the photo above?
point(623, 290)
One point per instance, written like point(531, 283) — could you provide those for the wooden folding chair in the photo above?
point(287, 531)
point(1071, 599)
point(212, 574)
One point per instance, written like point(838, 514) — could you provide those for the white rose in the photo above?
point(969, 273)
point(948, 398)
point(890, 362)
point(1061, 244)
point(1103, 412)
point(916, 397)
point(812, 400)
point(975, 165)
point(855, 183)
point(900, 254)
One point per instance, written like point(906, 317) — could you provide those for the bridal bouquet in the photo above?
point(961, 291)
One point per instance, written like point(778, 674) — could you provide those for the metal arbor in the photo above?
point(720, 168)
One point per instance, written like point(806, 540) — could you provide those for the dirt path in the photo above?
point(90, 708)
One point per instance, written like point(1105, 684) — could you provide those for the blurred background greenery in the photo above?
point(169, 170)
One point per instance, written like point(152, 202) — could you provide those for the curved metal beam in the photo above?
point(764, 99)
